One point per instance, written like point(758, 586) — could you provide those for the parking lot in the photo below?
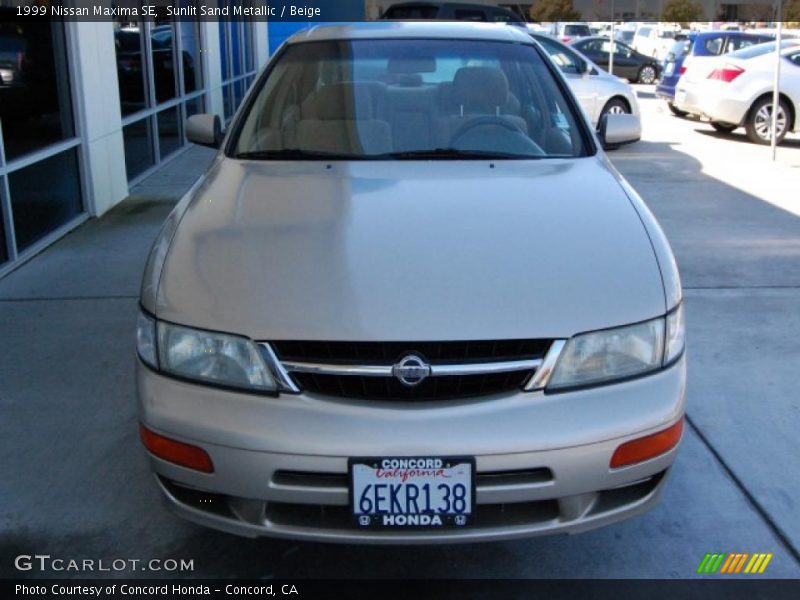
point(76, 483)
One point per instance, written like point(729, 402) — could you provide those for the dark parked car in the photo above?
point(628, 63)
point(450, 11)
point(705, 44)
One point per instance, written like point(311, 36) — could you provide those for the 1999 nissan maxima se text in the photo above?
point(411, 301)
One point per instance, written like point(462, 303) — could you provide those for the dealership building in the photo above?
point(88, 109)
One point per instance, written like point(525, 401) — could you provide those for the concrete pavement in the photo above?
point(76, 482)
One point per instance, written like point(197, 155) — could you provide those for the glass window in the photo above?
point(591, 46)
point(3, 249)
point(238, 94)
point(737, 43)
point(44, 196)
point(130, 67)
point(247, 43)
point(761, 49)
point(469, 15)
point(236, 48)
point(138, 147)
point(194, 107)
point(227, 100)
point(162, 43)
point(566, 60)
point(35, 103)
point(223, 47)
point(169, 138)
point(794, 58)
point(411, 12)
point(579, 30)
point(714, 45)
point(505, 103)
point(192, 59)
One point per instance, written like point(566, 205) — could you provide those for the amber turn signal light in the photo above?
point(176, 452)
point(647, 447)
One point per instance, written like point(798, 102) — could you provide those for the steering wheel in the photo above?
point(483, 122)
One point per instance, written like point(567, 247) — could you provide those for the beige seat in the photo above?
point(478, 92)
point(340, 118)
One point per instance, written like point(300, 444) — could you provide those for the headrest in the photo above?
point(343, 102)
point(482, 88)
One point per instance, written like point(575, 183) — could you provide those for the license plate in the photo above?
point(670, 69)
point(412, 492)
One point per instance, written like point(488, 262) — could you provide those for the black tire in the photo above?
point(676, 111)
point(616, 106)
point(759, 121)
point(723, 127)
point(647, 74)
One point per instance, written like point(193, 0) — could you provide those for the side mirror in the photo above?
point(205, 130)
point(619, 129)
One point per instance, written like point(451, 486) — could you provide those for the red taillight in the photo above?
point(176, 452)
point(647, 447)
point(565, 39)
point(682, 70)
point(727, 73)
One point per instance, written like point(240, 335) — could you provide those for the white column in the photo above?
point(93, 63)
point(212, 67)
point(261, 42)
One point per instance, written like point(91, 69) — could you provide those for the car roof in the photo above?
point(718, 32)
point(373, 30)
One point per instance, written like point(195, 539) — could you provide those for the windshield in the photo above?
point(579, 30)
point(761, 49)
point(406, 99)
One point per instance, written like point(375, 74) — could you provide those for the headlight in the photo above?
point(146, 339)
point(604, 356)
point(202, 356)
point(676, 334)
point(212, 357)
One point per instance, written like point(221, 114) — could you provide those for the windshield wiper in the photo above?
point(434, 153)
point(297, 154)
point(457, 153)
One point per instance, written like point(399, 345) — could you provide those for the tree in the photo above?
point(791, 13)
point(682, 11)
point(549, 11)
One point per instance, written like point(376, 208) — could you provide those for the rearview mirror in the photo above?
point(619, 129)
point(204, 129)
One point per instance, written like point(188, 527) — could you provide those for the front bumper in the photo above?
point(542, 461)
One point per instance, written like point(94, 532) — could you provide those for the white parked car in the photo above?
point(738, 92)
point(654, 41)
point(597, 91)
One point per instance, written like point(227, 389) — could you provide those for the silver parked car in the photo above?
point(411, 301)
point(598, 92)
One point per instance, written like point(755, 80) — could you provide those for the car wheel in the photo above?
point(615, 106)
point(759, 121)
point(647, 74)
point(723, 127)
point(676, 111)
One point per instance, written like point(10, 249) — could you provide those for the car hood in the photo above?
point(389, 250)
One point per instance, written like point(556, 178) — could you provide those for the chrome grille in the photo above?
point(369, 370)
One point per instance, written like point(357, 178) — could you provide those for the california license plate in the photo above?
point(412, 492)
point(670, 69)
